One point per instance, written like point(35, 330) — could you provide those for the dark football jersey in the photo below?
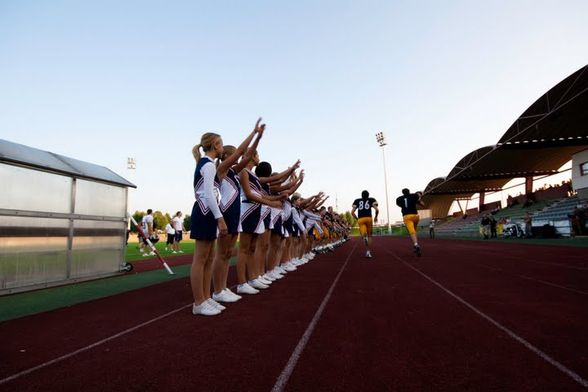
point(408, 204)
point(364, 207)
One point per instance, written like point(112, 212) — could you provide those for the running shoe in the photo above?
point(232, 295)
point(223, 296)
point(216, 304)
point(257, 284)
point(289, 267)
point(245, 288)
point(205, 309)
point(417, 250)
point(368, 254)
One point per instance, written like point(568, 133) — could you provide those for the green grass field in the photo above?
point(133, 253)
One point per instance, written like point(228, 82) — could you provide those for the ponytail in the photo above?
point(206, 142)
point(196, 152)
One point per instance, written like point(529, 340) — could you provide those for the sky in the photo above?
point(102, 81)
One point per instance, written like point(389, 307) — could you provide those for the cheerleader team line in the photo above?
point(239, 196)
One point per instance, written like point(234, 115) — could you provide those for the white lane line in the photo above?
point(289, 368)
point(521, 258)
point(553, 284)
point(575, 376)
point(533, 279)
point(91, 346)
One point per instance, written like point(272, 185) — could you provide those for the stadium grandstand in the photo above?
point(550, 133)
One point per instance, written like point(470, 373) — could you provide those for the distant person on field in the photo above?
point(364, 207)
point(147, 226)
point(171, 234)
point(432, 229)
point(178, 225)
point(408, 204)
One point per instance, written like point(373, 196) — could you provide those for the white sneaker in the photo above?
point(264, 280)
point(151, 253)
point(205, 309)
point(180, 251)
point(289, 267)
point(257, 284)
point(174, 251)
point(232, 295)
point(281, 270)
point(245, 288)
point(368, 254)
point(223, 296)
point(275, 274)
point(268, 276)
point(216, 304)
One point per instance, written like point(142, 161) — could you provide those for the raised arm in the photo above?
point(281, 176)
point(250, 152)
point(246, 185)
point(229, 161)
point(310, 201)
point(322, 201)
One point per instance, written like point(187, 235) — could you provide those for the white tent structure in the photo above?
point(61, 219)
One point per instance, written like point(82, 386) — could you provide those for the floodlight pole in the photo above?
point(131, 167)
point(382, 142)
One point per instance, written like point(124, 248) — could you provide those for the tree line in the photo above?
point(160, 219)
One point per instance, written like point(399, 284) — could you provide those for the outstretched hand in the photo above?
point(259, 128)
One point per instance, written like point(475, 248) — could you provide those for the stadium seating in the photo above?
point(557, 215)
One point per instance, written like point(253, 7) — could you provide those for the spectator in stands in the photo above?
point(500, 226)
point(509, 201)
point(529, 200)
point(528, 225)
point(578, 218)
point(568, 186)
point(493, 224)
point(485, 226)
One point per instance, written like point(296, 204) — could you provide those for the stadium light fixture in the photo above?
point(131, 166)
point(382, 142)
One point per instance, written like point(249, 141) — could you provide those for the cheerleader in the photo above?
point(251, 226)
point(230, 205)
point(207, 219)
point(271, 185)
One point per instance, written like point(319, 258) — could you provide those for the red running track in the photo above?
point(468, 315)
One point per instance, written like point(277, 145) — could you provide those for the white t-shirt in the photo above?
point(169, 229)
point(145, 223)
point(178, 223)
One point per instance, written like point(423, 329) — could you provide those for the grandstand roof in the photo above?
point(19, 154)
point(538, 143)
